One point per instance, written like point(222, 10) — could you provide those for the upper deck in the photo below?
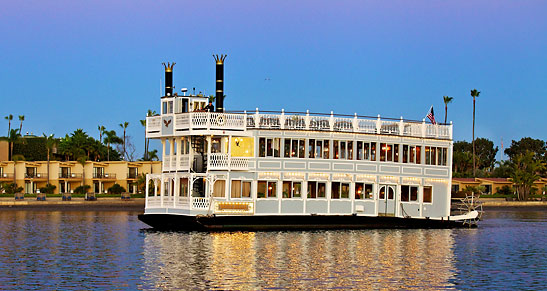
point(239, 123)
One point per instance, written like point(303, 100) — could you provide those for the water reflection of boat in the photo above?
point(373, 259)
point(288, 170)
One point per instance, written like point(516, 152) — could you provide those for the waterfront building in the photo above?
point(66, 176)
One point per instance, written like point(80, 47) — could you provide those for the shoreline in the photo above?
point(76, 204)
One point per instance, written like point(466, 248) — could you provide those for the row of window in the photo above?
point(317, 189)
point(345, 150)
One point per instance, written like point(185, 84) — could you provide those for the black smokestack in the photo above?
point(220, 82)
point(168, 78)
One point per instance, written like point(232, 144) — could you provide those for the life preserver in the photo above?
point(221, 119)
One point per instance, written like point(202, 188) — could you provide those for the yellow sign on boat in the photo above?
point(242, 147)
point(234, 207)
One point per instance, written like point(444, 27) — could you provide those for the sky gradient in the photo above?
point(80, 64)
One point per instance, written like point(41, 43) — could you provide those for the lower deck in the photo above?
point(282, 193)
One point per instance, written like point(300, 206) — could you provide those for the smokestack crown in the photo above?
point(169, 66)
point(220, 59)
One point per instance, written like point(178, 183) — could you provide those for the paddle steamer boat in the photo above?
point(263, 170)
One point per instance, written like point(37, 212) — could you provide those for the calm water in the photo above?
point(111, 250)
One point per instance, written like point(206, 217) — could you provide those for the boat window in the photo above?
point(359, 150)
point(215, 145)
point(266, 189)
point(409, 193)
point(326, 144)
point(219, 188)
point(428, 191)
point(319, 149)
point(396, 153)
point(350, 150)
point(382, 193)
point(269, 147)
point(311, 148)
point(312, 189)
point(316, 189)
point(339, 190)
point(411, 154)
point(435, 156)
point(295, 148)
point(241, 189)
point(287, 152)
point(343, 150)
point(390, 193)
point(183, 187)
point(261, 147)
point(335, 147)
point(373, 151)
point(184, 146)
point(363, 191)
point(164, 108)
point(335, 190)
point(292, 189)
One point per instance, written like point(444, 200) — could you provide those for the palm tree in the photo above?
point(21, 119)
point(124, 127)
point(153, 155)
point(50, 143)
point(9, 118)
point(143, 123)
point(446, 100)
point(101, 129)
point(111, 138)
point(13, 137)
point(82, 160)
point(474, 94)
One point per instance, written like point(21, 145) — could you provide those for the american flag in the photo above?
point(431, 115)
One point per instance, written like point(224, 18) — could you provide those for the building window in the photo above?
point(363, 191)
point(409, 193)
point(292, 189)
point(266, 189)
point(339, 190)
point(428, 193)
point(241, 189)
point(269, 147)
point(316, 189)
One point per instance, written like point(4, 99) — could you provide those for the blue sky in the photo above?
point(77, 64)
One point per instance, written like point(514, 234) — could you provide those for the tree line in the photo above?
point(76, 146)
point(526, 160)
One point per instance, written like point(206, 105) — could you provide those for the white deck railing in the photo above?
point(299, 121)
point(219, 161)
